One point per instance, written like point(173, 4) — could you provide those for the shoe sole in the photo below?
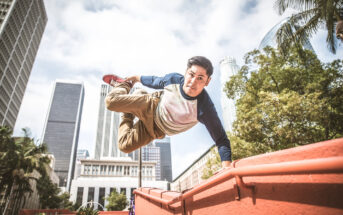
point(108, 78)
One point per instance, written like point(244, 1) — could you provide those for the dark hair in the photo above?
point(203, 62)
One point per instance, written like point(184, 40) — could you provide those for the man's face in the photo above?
point(195, 80)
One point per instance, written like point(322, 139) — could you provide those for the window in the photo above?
point(87, 169)
point(79, 195)
point(126, 170)
point(123, 190)
point(119, 170)
point(95, 170)
point(134, 170)
point(101, 197)
point(103, 169)
point(90, 194)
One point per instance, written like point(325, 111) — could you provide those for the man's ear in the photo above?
point(208, 81)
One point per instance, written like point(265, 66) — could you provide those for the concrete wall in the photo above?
point(278, 194)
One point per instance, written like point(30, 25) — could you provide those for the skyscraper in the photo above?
point(158, 151)
point(106, 144)
point(22, 24)
point(270, 38)
point(61, 131)
point(165, 157)
point(228, 68)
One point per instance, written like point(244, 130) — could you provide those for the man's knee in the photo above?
point(124, 148)
point(109, 101)
point(112, 97)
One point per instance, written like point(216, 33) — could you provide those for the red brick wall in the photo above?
point(281, 194)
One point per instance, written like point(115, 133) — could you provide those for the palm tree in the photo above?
point(312, 15)
point(19, 158)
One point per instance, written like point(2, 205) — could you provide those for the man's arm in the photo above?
point(156, 82)
point(209, 117)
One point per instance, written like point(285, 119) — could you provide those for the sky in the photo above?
point(85, 39)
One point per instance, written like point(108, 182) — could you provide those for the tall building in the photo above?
point(22, 24)
point(270, 38)
point(106, 144)
point(158, 151)
point(165, 159)
point(228, 68)
point(61, 131)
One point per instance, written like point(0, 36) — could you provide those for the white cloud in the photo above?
point(34, 107)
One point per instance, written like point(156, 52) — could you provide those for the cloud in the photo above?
point(32, 113)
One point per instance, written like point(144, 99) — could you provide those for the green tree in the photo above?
point(242, 149)
point(312, 15)
point(65, 203)
point(48, 193)
point(284, 103)
point(87, 211)
point(19, 158)
point(213, 164)
point(116, 201)
point(50, 196)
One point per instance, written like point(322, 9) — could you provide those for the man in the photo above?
point(181, 104)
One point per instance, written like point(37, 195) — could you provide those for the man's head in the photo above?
point(197, 76)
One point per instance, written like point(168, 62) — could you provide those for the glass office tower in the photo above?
point(165, 157)
point(106, 144)
point(158, 151)
point(270, 38)
point(22, 24)
point(61, 131)
point(228, 68)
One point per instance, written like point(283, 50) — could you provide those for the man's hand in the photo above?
point(226, 164)
point(134, 79)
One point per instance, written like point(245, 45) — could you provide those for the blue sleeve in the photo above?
point(160, 82)
point(207, 115)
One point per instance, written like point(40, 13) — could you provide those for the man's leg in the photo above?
point(132, 136)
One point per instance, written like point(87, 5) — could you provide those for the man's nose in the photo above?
point(193, 80)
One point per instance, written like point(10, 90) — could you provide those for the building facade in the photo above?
point(228, 68)
point(61, 131)
point(192, 176)
point(22, 24)
point(81, 154)
point(165, 171)
point(106, 144)
point(100, 177)
point(158, 151)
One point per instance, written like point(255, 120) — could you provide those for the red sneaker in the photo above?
point(112, 79)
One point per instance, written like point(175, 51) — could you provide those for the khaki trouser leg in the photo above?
point(133, 136)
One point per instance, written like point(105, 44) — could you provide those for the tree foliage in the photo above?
point(87, 211)
point(312, 15)
point(116, 201)
point(213, 164)
point(48, 193)
point(19, 158)
point(282, 103)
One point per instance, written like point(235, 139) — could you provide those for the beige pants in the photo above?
point(133, 136)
